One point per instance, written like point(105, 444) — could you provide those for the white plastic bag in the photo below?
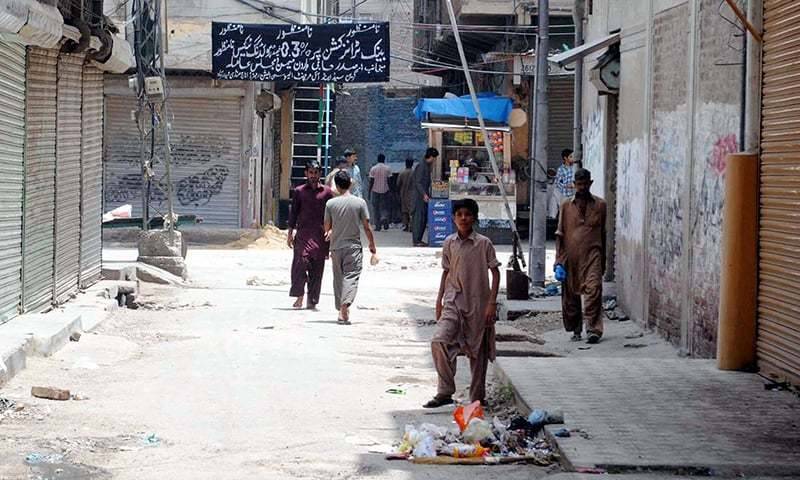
point(478, 430)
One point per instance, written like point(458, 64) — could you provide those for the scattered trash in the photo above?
point(562, 433)
point(584, 347)
point(50, 393)
point(539, 418)
point(75, 337)
point(479, 442)
point(78, 398)
point(779, 386)
point(635, 345)
point(151, 440)
point(38, 458)
point(462, 415)
point(396, 391)
point(634, 335)
point(552, 290)
point(6, 404)
point(268, 327)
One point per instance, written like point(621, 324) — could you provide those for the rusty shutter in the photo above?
point(778, 344)
point(91, 176)
point(40, 164)
point(561, 127)
point(206, 141)
point(68, 176)
point(12, 141)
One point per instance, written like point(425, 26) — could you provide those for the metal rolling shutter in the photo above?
point(560, 108)
point(68, 176)
point(778, 343)
point(40, 163)
point(206, 158)
point(12, 142)
point(91, 176)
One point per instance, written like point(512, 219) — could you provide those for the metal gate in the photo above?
point(560, 107)
point(91, 176)
point(68, 176)
point(40, 163)
point(12, 142)
point(778, 344)
point(206, 141)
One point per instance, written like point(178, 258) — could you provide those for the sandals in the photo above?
point(593, 338)
point(576, 337)
point(342, 321)
point(439, 401)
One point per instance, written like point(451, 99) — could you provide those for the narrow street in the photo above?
point(224, 380)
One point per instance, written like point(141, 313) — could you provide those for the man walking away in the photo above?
point(466, 307)
point(351, 157)
point(564, 186)
point(581, 259)
point(379, 192)
point(422, 195)
point(344, 217)
point(406, 197)
point(341, 164)
point(309, 244)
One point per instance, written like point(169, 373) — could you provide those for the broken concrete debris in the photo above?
point(50, 393)
point(477, 441)
point(75, 337)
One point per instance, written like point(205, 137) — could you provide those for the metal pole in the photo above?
point(538, 241)
point(477, 106)
point(353, 10)
point(534, 94)
point(577, 139)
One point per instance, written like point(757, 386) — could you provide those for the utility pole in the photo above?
point(152, 115)
point(538, 184)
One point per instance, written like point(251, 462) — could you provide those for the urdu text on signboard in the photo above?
point(331, 53)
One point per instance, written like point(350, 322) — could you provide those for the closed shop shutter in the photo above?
point(68, 175)
point(560, 107)
point(91, 176)
point(40, 165)
point(778, 344)
point(12, 141)
point(206, 157)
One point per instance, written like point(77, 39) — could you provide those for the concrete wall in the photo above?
point(679, 111)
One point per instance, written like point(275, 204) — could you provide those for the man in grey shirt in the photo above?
point(345, 215)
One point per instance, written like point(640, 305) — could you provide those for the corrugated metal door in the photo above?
point(778, 344)
point(12, 142)
point(206, 157)
point(40, 164)
point(560, 107)
point(91, 176)
point(68, 175)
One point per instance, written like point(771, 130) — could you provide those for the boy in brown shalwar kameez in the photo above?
point(581, 251)
point(466, 307)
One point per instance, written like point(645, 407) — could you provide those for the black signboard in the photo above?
point(331, 53)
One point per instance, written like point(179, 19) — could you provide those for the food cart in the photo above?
point(464, 169)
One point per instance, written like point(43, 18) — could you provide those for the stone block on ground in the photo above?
point(173, 265)
point(125, 273)
point(155, 243)
point(152, 274)
point(50, 393)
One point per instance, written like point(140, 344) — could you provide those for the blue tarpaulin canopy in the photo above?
point(493, 107)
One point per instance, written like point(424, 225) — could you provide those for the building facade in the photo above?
point(52, 59)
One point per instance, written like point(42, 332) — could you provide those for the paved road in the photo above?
point(233, 384)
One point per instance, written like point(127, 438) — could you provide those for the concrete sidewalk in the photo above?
point(668, 415)
point(43, 334)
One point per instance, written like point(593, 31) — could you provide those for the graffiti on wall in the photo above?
point(195, 190)
point(199, 189)
point(593, 150)
point(715, 138)
point(665, 249)
point(186, 149)
point(631, 168)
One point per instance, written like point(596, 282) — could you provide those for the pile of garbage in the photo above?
point(479, 441)
point(551, 289)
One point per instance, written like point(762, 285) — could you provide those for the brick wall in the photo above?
point(668, 157)
point(376, 120)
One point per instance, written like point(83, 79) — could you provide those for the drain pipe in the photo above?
point(752, 81)
point(578, 14)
